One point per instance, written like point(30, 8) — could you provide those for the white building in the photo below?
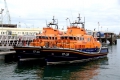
point(11, 29)
point(20, 31)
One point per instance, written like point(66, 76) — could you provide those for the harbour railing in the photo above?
point(11, 40)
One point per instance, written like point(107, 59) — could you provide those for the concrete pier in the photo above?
point(7, 52)
point(104, 36)
point(108, 36)
point(111, 37)
point(8, 56)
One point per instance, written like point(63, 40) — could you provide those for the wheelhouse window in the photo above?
point(40, 37)
point(53, 38)
point(71, 38)
point(49, 37)
point(37, 37)
point(74, 38)
point(64, 37)
point(81, 38)
point(43, 37)
point(77, 38)
point(46, 37)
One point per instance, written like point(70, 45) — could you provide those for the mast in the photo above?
point(79, 18)
point(84, 22)
point(79, 22)
point(55, 22)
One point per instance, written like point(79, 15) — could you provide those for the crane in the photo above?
point(7, 12)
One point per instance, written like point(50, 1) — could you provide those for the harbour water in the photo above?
point(107, 68)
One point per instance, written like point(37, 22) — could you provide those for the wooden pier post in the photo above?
point(106, 38)
point(115, 41)
point(111, 39)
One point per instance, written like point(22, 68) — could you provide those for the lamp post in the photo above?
point(2, 19)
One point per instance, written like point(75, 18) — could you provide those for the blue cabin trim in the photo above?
point(100, 34)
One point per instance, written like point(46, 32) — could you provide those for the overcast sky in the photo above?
point(34, 13)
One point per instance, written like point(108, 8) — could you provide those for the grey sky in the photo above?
point(36, 12)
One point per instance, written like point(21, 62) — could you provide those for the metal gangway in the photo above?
point(8, 41)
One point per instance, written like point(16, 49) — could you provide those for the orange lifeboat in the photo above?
point(49, 34)
point(77, 38)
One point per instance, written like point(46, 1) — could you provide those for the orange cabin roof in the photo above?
point(49, 31)
point(75, 31)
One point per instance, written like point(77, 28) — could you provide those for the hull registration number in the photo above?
point(35, 51)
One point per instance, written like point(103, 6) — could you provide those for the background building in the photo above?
point(11, 29)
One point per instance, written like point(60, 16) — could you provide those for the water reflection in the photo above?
point(81, 71)
point(112, 49)
point(101, 69)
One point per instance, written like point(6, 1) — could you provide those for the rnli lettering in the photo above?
point(65, 54)
point(34, 51)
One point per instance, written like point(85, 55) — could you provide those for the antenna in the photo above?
point(84, 22)
point(19, 25)
point(98, 25)
point(63, 28)
point(53, 19)
point(79, 18)
point(46, 23)
point(56, 24)
point(69, 20)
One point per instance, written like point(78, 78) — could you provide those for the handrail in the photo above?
point(99, 49)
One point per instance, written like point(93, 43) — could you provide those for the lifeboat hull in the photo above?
point(28, 52)
point(59, 55)
point(64, 56)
